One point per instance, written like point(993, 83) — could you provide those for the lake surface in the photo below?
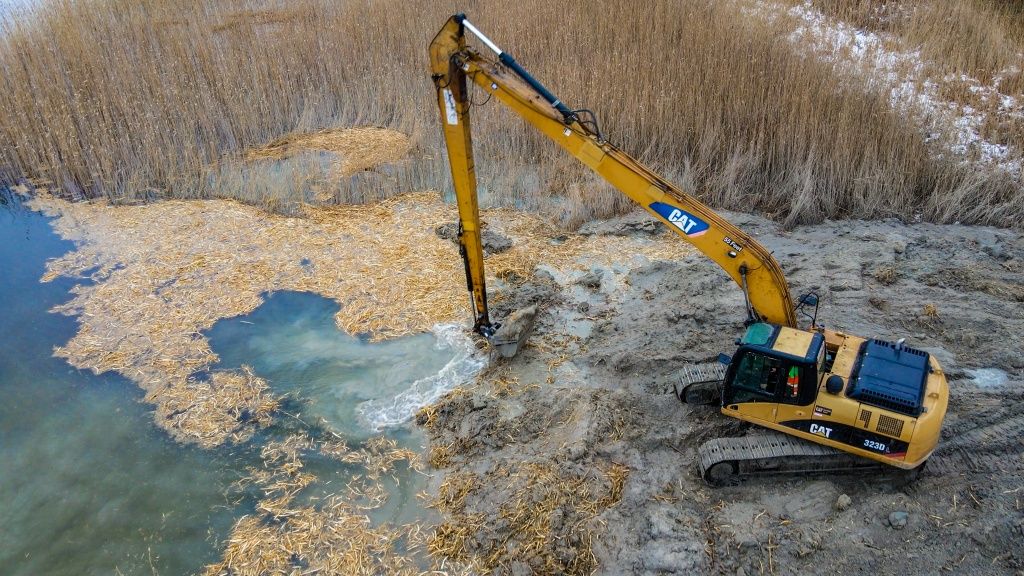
point(89, 485)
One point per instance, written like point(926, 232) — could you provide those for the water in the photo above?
point(989, 377)
point(352, 385)
point(347, 385)
point(89, 485)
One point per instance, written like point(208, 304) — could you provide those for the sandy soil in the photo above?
point(593, 391)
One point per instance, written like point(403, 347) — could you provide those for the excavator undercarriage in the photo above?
point(724, 461)
point(700, 384)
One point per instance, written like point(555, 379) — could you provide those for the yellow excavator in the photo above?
point(830, 401)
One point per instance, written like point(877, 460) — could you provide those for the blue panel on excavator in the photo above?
point(890, 376)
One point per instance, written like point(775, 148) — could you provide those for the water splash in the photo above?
point(467, 362)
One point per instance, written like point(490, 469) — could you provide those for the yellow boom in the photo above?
point(454, 65)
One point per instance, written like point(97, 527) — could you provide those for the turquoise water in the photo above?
point(89, 485)
point(345, 385)
point(292, 341)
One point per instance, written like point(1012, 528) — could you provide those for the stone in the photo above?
point(898, 520)
point(591, 279)
point(493, 242)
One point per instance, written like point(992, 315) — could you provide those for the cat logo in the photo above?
point(821, 430)
point(688, 223)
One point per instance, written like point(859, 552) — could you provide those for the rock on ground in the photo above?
point(493, 242)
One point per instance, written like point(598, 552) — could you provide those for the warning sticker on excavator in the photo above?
point(449, 107)
point(688, 223)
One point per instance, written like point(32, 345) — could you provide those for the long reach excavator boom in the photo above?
point(830, 401)
point(454, 65)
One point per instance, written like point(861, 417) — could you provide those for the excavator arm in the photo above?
point(454, 65)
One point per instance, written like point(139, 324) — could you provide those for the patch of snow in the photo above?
point(989, 377)
point(902, 73)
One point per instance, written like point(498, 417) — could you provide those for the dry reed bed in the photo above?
point(138, 99)
point(377, 151)
point(163, 273)
point(356, 148)
point(969, 101)
point(980, 38)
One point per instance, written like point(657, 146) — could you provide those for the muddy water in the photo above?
point(88, 485)
point(346, 385)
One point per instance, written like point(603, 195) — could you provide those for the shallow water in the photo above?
point(292, 341)
point(88, 483)
point(344, 384)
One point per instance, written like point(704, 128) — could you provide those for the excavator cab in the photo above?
point(773, 365)
point(860, 402)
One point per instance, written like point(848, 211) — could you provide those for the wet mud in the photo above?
point(585, 415)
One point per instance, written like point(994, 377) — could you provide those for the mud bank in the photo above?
point(576, 456)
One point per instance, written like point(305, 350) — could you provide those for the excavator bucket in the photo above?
point(514, 331)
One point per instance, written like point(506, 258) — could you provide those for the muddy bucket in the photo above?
point(512, 333)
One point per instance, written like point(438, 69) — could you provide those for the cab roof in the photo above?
point(796, 344)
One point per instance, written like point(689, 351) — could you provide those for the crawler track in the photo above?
point(993, 448)
point(700, 384)
point(728, 460)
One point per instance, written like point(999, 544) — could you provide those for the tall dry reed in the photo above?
point(151, 98)
point(980, 38)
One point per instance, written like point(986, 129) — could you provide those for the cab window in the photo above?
point(799, 384)
point(758, 378)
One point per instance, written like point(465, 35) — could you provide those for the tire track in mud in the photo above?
point(985, 439)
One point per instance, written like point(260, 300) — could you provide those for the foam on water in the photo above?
point(381, 413)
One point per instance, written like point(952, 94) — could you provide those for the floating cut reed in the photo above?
point(165, 272)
